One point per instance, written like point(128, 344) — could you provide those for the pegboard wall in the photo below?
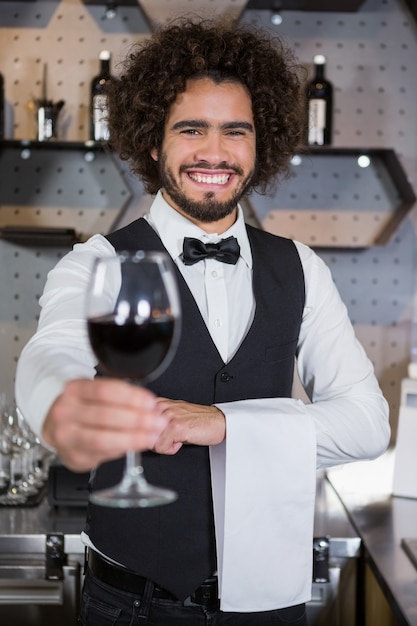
point(371, 58)
point(81, 188)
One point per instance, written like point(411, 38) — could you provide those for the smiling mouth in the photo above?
point(210, 179)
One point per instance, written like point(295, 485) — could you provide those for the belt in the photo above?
point(126, 580)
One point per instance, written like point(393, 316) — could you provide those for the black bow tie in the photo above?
point(226, 250)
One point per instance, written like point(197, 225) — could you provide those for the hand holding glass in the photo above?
point(133, 318)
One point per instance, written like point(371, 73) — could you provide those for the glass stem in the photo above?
point(134, 464)
point(13, 486)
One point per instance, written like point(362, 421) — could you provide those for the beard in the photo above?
point(209, 209)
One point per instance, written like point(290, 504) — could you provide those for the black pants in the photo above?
point(103, 605)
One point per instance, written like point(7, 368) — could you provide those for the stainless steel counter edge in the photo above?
point(24, 530)
point(13, 545)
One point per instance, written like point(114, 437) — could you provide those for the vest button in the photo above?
point(225, 377)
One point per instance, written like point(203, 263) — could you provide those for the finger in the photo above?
point(112, 417)
point(98, 446)
point(82, 447)
point(110, 391)
point(111, 404)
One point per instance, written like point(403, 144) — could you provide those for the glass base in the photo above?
point(12, 498)
point(133, 492)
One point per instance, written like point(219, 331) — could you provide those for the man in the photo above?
point(204, 114)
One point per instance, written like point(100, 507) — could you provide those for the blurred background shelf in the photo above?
point(339, 198)
point(60, 184)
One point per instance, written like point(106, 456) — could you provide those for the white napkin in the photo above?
point(264, 479)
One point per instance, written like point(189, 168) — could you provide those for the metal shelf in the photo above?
point(305, 5)
point(412, 5)
point(339, 198)
point(57, 145)
point(270, 5)
point(335, 197)
point(52, 189)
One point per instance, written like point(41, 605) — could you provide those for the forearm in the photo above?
point(350, 429)
point(42, 371)
point(59, 351)
point(347, 428)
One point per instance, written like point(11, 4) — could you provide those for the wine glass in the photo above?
point(11, 448)
point(133, 320)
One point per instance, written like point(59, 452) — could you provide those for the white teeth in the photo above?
point(217, 179)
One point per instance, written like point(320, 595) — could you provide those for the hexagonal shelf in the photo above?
point(53, 188)
point(338, 198)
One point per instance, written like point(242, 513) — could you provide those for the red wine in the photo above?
point(320, 106)
point(130, 350)
point(99, 130)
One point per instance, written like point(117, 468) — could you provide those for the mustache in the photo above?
point(206, 166)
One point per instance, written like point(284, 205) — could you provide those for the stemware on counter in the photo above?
point(24, 461)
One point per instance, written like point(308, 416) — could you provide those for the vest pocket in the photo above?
point(281, 352)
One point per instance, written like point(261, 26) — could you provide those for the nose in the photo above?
point(212, 148)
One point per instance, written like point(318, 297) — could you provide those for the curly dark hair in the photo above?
point(156, 71)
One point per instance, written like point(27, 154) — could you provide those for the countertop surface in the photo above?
point(354, 505)
point(382, 521)
point(24, 529)
point(29, 525)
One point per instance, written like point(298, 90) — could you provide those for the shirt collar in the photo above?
point(172, 227)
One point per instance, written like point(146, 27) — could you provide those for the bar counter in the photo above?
point(29, 536)
point(354, 508)
point(382, 521)
point(36, 522)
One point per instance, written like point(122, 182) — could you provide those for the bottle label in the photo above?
point(100, 126)
point(316, 121)
point(46, 124)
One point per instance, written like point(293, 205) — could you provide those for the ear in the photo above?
point(154, 154)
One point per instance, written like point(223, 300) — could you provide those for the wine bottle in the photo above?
point(2, 107)
point(99, 130)
point(319, 105)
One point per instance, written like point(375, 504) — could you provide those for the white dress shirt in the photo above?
point(264, 473)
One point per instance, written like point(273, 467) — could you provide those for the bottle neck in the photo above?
point(320, 70)
point(105, 66)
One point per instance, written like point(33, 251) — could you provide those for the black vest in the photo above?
point(174, 545)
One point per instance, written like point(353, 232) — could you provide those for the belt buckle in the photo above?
point(207, 594)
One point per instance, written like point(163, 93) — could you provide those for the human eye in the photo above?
point(238, 130)
point(189, 131)
point(236, 133)
point(188, 127)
